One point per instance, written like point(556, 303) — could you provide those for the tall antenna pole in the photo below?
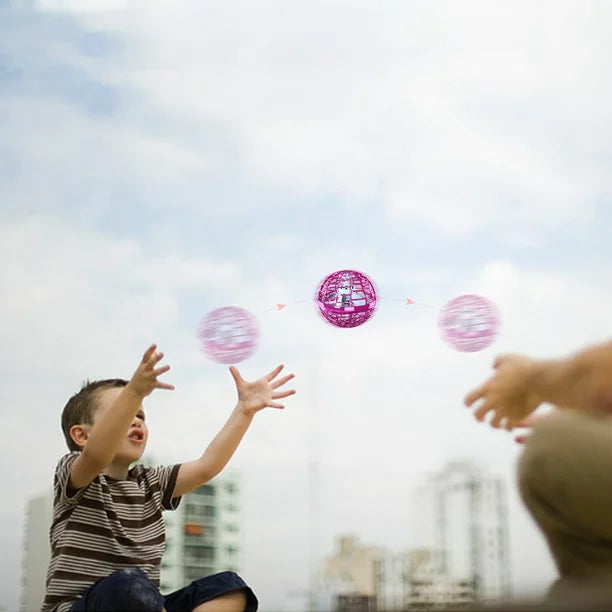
point(313, 482)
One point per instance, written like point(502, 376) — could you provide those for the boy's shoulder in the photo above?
point(65, 461)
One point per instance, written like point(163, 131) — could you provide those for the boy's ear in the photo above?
point(79, 434)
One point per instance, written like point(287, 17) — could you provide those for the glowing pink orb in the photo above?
point(228, 334)
point(469, 322)
point(346, 298)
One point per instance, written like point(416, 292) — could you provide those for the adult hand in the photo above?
point(529, 422)
point(508, 393)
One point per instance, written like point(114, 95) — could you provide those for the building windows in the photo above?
point(231, 487)
point(196, 572)
point(209, 511)
point(206, 489)
point(193, 529)
point(197, 511)
point(197, 554)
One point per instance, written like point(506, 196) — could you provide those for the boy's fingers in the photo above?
point(161, 385)
point(148, 353)
point(153, 359)
point(281, 381)
point(160, 371)
point(275, 405)
point(282, 394)
point(236, 374)
point(274, 373)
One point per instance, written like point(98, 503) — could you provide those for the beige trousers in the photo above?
point(565, 480)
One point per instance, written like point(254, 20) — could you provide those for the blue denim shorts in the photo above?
point(130, 590)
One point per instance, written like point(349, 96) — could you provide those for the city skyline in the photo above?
point(462, 555)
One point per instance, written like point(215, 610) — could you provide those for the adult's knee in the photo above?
point(545, 454)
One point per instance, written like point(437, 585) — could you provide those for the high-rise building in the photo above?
point(349, 577)
point(37, 551)
point(203, 534)
point(464, 510)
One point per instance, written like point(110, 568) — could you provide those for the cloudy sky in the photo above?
point(158, 163)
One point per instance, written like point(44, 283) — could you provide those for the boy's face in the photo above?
point(133, 445)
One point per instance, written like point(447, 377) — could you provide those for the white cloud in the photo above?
point(459, 118)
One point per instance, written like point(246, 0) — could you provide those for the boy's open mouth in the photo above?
point(136, 436)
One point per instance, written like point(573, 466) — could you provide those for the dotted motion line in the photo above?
point(409, 302)
point(406, 301)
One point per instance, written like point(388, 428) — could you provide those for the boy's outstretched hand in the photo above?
point(254, 396)
point(144, 380)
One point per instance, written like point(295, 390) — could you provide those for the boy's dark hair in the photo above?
point(81, 406)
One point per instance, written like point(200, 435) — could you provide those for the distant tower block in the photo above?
point(469, 323)
point(346, 298)
point(228, 334)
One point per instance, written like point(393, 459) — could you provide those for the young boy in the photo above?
point(107, 534)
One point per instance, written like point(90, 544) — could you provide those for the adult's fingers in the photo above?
point(475, 394)
point(499, 360)
point(496, 420)
point(482, 411)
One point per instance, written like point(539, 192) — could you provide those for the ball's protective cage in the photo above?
point(469, 322)
point(346, 298)
point(229, 334)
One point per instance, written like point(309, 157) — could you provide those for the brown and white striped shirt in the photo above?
point(108, 525)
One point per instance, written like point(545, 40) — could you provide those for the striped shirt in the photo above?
point(108, 525)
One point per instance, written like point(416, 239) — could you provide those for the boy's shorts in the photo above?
point(130, 590)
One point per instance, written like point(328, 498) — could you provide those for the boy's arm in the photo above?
point(113, 423)
point(252, 397)
point(582, 381)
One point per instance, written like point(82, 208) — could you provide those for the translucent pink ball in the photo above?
point(469, 322)
point(228, 334)
point(346, 298)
